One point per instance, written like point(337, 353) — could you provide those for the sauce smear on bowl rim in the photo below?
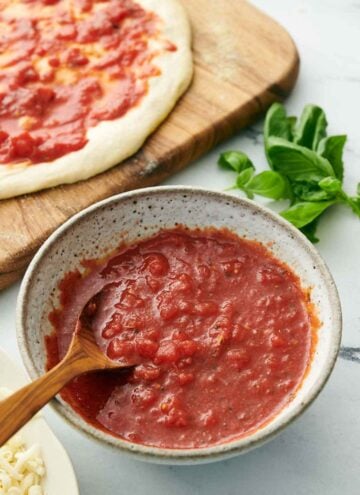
point(222, 329)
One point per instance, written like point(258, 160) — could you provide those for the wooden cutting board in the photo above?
point(243, 62)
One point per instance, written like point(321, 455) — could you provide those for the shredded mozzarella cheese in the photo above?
point(22, 468)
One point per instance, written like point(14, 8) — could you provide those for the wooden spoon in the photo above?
point(83, 356)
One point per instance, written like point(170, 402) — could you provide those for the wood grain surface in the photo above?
point(243, 62)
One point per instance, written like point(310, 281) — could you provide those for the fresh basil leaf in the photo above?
point(332, 148)
point(269, 184)
point(358, 189)
point(276, 122)
point(296, 162)
point(309, 191)
point(244, 177)
point(235, 160)
point(242, 180)
point(309, 230)
point(301, 214)
point(354, 203)
point(292, 126)
point(311, 127)
point(331, 185)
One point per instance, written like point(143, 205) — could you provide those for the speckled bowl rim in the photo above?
point(198, 455)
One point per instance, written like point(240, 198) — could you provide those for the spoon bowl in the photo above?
point(83, 356)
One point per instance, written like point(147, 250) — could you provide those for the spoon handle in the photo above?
point(20, 407)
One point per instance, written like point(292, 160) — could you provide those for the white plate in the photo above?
point(60, 477)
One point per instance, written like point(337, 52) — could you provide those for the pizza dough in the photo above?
point(112, 141)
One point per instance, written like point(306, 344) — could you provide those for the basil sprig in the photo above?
point(306, 167)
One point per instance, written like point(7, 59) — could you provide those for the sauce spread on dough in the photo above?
point(65, 66)
point(222, 330)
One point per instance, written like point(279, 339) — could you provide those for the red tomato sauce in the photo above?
point(222, 331)
point(67, 65)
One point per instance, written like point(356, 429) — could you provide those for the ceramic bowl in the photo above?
point(138, 214)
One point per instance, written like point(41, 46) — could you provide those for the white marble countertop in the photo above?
point(320, 453)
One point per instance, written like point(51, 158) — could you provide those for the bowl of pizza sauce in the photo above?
point(230, 312)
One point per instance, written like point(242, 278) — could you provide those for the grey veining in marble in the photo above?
point(350, 354)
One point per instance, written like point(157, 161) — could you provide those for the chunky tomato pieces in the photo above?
point(66, 66)
point(220, 328)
